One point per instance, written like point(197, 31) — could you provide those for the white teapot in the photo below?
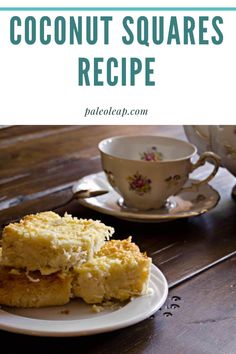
point(220, 139)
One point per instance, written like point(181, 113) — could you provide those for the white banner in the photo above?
point(127, 65)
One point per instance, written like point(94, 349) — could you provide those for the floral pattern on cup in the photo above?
point(110, 177)
point(151, 154)
point(173, 180)
point(139, 184)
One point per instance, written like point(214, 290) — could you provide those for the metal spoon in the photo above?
point(84, 193)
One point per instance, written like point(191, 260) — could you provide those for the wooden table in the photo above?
point(38, 166)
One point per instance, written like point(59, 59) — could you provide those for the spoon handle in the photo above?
point(81, 194)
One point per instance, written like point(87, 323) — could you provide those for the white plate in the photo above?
point(78, 319)
point(185, 204)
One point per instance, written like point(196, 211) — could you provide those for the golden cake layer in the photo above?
point(49, 243)
point(21, 289)
point(118, 271)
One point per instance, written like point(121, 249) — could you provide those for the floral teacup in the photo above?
point(146, 170)
point(218, 138)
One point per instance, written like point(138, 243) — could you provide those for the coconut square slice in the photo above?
point(19, 288)
point(119, 271)
point(49, 243)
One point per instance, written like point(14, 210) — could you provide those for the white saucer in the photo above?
point(78, 319)
point(185, 204)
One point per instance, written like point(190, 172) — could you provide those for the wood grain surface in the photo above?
point(39, 165)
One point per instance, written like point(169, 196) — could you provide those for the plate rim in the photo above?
point(139, 218)
point(156, 274)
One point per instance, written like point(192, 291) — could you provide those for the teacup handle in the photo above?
point(204, 157)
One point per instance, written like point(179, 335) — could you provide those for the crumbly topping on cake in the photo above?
point(47, 259)
point(118, 271)
point(48, 242)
